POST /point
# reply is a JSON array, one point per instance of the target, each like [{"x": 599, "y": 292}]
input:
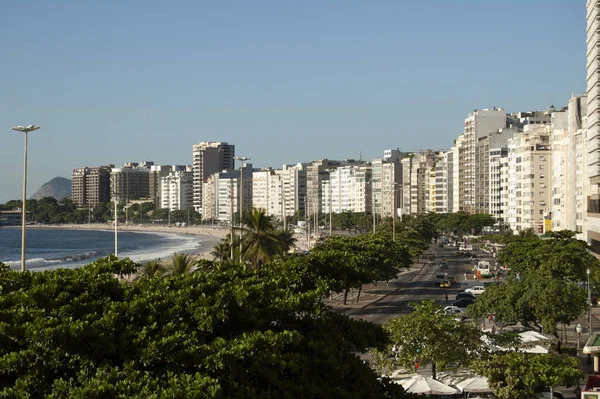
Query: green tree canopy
[
  {"x": 517, "y": 375},
  {"x": 224, "y": 331}
]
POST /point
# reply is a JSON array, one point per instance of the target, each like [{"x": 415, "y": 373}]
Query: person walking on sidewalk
[
  {"x": 465, "y": 276},
  {"x": 446, "y": 299}
]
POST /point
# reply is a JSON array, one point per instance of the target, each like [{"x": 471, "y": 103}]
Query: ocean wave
[
  {"x": 35, "y": 263},
  {"x": 175, "y": 243}
]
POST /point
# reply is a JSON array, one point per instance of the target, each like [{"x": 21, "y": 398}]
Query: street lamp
[
  {"x": 25, "y": 130},
  {"x": 242, "y": 160},
  {"x": 589, "y": 304},
  {"x": 579, "y": 329}
]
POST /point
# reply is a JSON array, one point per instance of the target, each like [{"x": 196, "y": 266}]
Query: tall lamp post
[
  {"x": 589, "y": 304},
  {"x": 579, "y": 329},
  {"x": 25, "y": 130},
  {"x": 242, "y": 160}
]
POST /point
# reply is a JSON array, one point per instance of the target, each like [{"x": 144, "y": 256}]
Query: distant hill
[{"x": 59, "y": 188}]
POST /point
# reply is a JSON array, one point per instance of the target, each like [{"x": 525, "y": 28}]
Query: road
[{"x": 418, "y": 285}]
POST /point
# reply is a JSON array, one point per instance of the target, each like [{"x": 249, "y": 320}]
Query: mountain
[{"x": 59, "y": 188}]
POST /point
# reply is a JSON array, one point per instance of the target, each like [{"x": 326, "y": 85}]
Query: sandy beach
[{"x": 212, "y": 234}]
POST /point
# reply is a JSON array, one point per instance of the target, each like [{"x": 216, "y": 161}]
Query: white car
[
  {"x": 453, "y": 310},
  {"x": 458, "y": 313},
  {"x": 477, "y": 290}
]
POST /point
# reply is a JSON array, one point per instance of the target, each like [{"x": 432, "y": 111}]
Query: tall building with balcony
[
  {"x": 294, "y": 187},
  {"x": 592, "y": 124},
  {"x": 348, "y": 189},
  {"x": 567, "y": 205},
  {"x": 157, "y": 172},
  {"x": 209, "y": 157},
  {"x": 176, "y": 189},
  {"x": 386, "y": 181},
  {"x": 478, "y": 124},
  {"x": 529, "y": 179},
  {"x": 415, "y": 179},
  {"x": 489, "y": 151},
  {"x": 130, "y": 182},
  {"x": 91, "y": 185}
]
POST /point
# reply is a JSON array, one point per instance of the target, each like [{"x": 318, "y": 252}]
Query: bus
[{"x": 483, "y": 268}]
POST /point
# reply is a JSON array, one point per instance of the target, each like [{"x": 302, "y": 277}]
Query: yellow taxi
[{"x": 445, "y": 284}]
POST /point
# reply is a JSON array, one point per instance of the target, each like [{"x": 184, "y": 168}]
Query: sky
[{"x": 286, "y": 81}]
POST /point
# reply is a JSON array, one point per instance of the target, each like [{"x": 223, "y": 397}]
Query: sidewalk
[{"x": 371, "y": 293}]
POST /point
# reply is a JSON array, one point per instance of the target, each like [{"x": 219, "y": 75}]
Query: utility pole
[{"x": 231, "y": 215}]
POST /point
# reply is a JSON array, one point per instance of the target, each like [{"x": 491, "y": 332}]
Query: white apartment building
[
  {"x": 459, "y": 183},
  {"x": 592, "y": 125},
  {"x": 488, "y": 154},
  {"x": 176, "y": 189},
  {"x": 441, "y": 201},
  {"x": 568, "y": 200},
  {"x": 347, "y": 190},
  {"x": 209, "y": 157},
  {"x": 268, "y": 192},
  {"x": 478, "y": 124},
  {"x": 448, "y": 166},
  {"x": 386, "y": 180},
  {"x": 222, "y": 194},
  {"x": 294, "y": 187},
  {"x": 416, "y": 169},
  {"x": 529, "y": 159}
]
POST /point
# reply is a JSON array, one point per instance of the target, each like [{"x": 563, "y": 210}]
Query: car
[
  {"x": 467, "y": 295},
  {"x": 476, "y": 290},
  {"x": 463, "y": 303},
  {"x": 452, "y": 279},
  {"x": 439, "y": 278},
  {"x": 445, "y": 284},
  {"x": 453, "y": 310}
]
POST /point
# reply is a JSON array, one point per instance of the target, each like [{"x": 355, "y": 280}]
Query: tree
[
  {"x": 222, "y": 250},
  {"x": 230, "y": 332},
  {"x": 260, "y": 241},
  {"x": 182, "y": 264},
  {"x": 428, "y": 335},
  {"x": 517, "y": 375},
  {"x": 350, "y": 262},
  {"x": 153, "y": 268}
]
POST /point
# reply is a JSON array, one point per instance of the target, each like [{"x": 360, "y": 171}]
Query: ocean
[{"x": 49, "y": 248}]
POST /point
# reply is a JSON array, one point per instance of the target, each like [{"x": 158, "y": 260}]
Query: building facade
[
  {"x": 177, "y": 189},
  {"x": 91, "y": 185},
  {"x": 209, "y": 157}
]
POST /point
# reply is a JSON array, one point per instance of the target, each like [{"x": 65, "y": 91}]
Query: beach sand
[{"x": 212, "y": 234}]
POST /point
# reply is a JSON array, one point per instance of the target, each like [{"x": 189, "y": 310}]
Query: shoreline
[{"x": 211, "y": 234}]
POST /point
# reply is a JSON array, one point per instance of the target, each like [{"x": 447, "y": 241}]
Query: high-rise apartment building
[
  {"x": 592, "y": 124},
  {"x": 478, "y": 124},
  {"x": 529, "y": 179},
  {"x": 130, "y": 182},
  {"x": 176, "y": 189},
  {"x": 209, "y": 157},
  {"x": 157, "y": 172},
  {"x": 91, "y": 185},
  {"x": 347, "y": 190}
]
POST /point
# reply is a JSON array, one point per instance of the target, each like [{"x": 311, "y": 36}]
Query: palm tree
[
  {"x": 182, "y": 264},
  {"x": 153, "y": 269},
  {"x": 287, "y": 240},
  {"x": 261, "y": 241},
  {"x": 222, "y": 250}
]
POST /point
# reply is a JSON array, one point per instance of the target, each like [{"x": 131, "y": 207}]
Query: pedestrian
[
  {"x": 475, "y": 277},
  {"x": 465, "y": 276},
  {"x": 446, "y": 299}
]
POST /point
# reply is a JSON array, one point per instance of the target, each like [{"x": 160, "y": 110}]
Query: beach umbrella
[
  {"x": 466, "y": 381},
  {"x": 426, "y": 385}
]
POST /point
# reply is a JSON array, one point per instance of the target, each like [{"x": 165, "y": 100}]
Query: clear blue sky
[{"x": 285, "y": 81}]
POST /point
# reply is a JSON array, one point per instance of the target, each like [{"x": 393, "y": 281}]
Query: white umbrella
[
  {"x": 466, "y": 381},
  {"x": 426, "y": 385}
]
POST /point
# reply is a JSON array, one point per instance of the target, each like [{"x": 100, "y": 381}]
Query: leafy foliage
[
  {"x": 224, "y": 331},
  {"x": 517, "y": 375},
  {"x": 429, "y": 336}
]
